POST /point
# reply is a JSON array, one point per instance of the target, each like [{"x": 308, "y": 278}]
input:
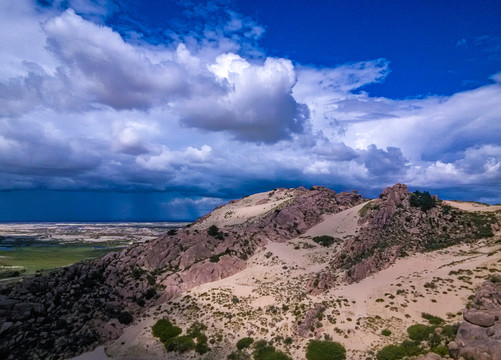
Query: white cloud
[
  {"x": 198, "y": 155},
  {"x": 256, "y": 104}
]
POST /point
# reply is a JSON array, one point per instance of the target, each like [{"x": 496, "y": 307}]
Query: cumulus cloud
[
  {"x": 257, "y": 104},
  {"x": 207, "y": 113}
]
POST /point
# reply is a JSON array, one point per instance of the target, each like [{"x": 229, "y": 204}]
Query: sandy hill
[{"x": 284, "y": 266}]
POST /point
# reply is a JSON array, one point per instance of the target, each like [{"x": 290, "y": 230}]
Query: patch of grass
[
  {"x": 30, "y": 259},
  {"x": 365, "y": 209}
]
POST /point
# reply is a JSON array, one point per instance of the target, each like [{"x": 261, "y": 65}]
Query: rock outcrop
[
  {"x": 479, "y": 335},
  {"x": 311, "y": 318},
  {"x": 392, "y": 226}
]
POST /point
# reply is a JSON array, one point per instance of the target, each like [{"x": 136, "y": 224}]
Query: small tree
[
  {"x": 422, "y": 200},
  {"x": 213, "y": 230}
]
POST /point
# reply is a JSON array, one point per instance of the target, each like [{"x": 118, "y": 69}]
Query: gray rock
[{"x": 480, "y": 318}]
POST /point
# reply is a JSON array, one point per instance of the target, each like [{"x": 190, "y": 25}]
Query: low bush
[
  {"x": 325, "y": 350},
  {"x": 386, "y": 332},
  {"x": 449, "y": 331},
  {"x": 411, "y": 347},
  {"x": 265, "y": 351},
  {"x": 419, "y": 332},
  {"x": 202, "y": 348},
  {"x": 391, "y": 352},
  {"x": 238, "y": 355},
  {"x": 213, "y": 230},
  {"x": 125, "y": 317},
  {"x": 324, "y": 240},
  {"x": 244, "y": 343},
  {"x": 432, "y": 319},
  {"x": 180, "y": 344},
  {"x": 441, "y": 350}
]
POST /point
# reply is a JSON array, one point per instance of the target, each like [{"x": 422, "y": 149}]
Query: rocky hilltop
[{"x": 312, "y": 241}]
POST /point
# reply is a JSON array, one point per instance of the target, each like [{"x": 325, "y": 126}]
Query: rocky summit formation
[
  {"x": 399, "y": 223},
  {"x": 70, "y": 310},
  {"x": 479, "y": 335}
]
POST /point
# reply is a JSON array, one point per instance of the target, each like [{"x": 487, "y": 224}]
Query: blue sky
[{"x": 162, "y": 110}]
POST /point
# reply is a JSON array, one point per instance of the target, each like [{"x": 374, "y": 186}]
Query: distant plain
[{"x": 28, "y": 248}]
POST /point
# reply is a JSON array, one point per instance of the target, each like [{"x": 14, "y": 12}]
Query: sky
[{"x": 144, "y": 110}]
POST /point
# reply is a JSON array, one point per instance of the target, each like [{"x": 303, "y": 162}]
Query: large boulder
[{"x": 479, "y": 335}]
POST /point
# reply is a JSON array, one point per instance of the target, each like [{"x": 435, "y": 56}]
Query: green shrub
[
  {"x": 411, "y": 347},
  {"x": 482, "y": 223},
  {"x": 391, "y": 352},
  {"x": 137, "y": 272},
  {"x": 419, "y": 332},
  {"x": 264, "y": 351},
  {"x": 386, "y": 332},
  {"x": 125, "y": 317},
  {"x": 324, "y": 240},
  {"x": 441, "y": 350},
  {"x": 165, "y": 330},
  {"x": 202, "y": 339},
  {"x": 180, "y": 344},
  {"x": 325, "y": 350},
  {"x": 195, "y": 331},
  {"x": 202, "y": 348},
  {"x": 213, "y": 230},
  {"x": 244, "y": 343},
  {"x": 238, "y": 355},
  {"x": 449, "y": 331},
  {"x": 150, "y": 293},
  {"x": 433, "y": 320},
  {"x": 434, "y": 340}
]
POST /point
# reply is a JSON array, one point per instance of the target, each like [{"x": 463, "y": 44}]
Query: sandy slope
[
  {"x": 472, "y": 206},
  {"x": 247, "y": 208},
  {"x": 338, "y": 225},
  {"x": 269, "y": 297}
]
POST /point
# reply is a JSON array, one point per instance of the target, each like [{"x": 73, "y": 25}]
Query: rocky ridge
[{"x": 72, "y": 309}]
